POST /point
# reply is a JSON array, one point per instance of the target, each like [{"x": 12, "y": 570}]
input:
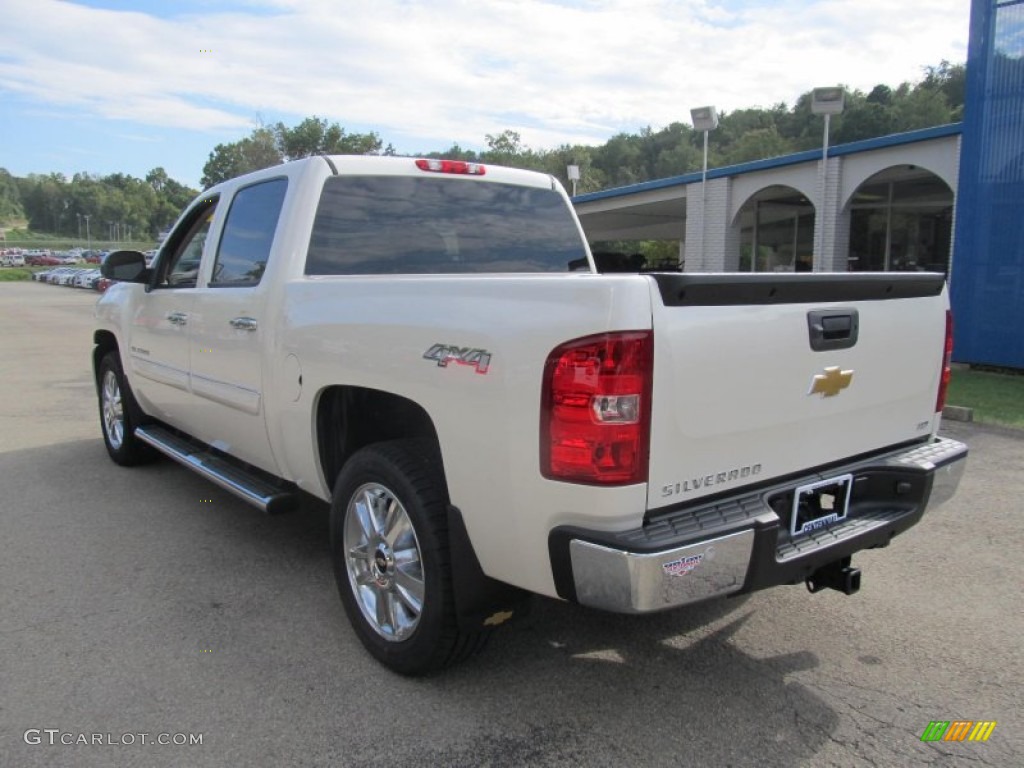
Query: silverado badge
[{"x": 830, "y": 383}]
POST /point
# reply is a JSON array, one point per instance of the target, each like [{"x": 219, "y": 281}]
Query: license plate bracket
[{"x": 820, "y": 504}]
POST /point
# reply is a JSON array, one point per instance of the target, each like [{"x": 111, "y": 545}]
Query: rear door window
[
  {"x": 408, "y": 225},
  {"x": 248, "y": 235}
]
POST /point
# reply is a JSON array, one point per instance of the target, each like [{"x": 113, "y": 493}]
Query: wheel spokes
[
  {"x": 363, "y": 509},
  {"x": 383, "y": 611},
  {"x": 113, "y": 413},
  {"x": 383, "y": 560},
  {"x": 409, "y": 587},
  {"x": 399, "y": 531}
]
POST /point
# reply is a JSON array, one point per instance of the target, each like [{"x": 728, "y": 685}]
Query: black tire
[
  {"x": 378, "y": 577},
  {"x": 119, "y": 415}
]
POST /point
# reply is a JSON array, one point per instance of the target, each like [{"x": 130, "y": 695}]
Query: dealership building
[{"x": 947, "y": 199}]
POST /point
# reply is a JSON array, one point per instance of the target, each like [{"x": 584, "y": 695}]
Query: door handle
[
  {"x": 244, "y": 323},
  {"x": 833, "y": 329},
  {"x": 177, "y": 318}
]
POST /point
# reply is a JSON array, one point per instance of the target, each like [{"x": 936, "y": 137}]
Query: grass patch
[
  {"x": 26, "y": 239},
  {"x": 997, "y": 398},
  {"x": 12, "y": 274}
]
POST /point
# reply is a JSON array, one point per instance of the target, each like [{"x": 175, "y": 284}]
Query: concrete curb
[{"x": 958, "y": 413}]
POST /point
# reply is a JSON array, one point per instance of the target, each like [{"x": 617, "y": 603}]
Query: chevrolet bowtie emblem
[{"x": 830, "y": 383}]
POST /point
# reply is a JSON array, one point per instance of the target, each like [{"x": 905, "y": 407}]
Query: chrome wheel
[
  {"x": 113, "y": 412},
  {"x": 383, "y": 560}
]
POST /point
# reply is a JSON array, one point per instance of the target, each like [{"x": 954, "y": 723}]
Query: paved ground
[{"x": 148, "y": 601}]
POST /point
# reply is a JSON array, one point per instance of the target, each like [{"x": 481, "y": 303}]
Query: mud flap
[{"x": 481, "y": 602}]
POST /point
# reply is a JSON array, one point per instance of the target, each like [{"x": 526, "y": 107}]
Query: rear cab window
[{"x": 368, "y": 225}]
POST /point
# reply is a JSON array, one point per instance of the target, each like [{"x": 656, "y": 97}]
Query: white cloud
[{"x": 424, "y": 74}]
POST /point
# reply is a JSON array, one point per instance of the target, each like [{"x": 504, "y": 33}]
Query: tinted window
[
  {"x": 248, "y": 234},
  {"x": 402, "y": 225}
]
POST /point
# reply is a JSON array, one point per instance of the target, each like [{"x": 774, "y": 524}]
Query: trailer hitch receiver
[{"x": 838, "y": 575}]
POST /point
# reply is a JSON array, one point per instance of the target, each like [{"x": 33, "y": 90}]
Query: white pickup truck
[{"x": 429, "y": 346}]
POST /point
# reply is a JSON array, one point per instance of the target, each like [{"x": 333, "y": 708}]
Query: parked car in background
[
  {"x": 103, "y": 284},
  {"x": 86, "y": 277},
  {"x": 68, "y": 278},
  {"x": 59, "y": 275},
  {"x": 12, "y": 260}
]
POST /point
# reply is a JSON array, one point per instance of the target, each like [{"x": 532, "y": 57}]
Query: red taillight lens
[
  {"x": 947, "y": 371},
  {"x": 596, "y": 409},
  {"x": 451, "y": 166}
]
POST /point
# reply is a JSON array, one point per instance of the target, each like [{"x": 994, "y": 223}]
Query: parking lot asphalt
[{"x": 148, "y": 601}]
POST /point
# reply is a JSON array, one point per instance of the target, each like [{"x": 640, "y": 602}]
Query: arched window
[
  {"x": 901, "y": 219},
  {"x": 777, "y": 231}
]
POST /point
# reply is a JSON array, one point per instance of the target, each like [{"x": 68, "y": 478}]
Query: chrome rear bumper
[{"x": 743, "y": 543}]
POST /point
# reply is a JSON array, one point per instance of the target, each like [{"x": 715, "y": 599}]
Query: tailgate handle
[{"x": 831, "y": 329}]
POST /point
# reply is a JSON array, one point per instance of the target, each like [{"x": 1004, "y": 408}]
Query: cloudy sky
[{"x": 109, "y": 86}]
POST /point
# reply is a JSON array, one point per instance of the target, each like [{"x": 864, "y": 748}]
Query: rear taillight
[
  {"x": 947, "y": 357},
  {"x": 596, "y": 409},
  {"x": 451, "y": 166}
]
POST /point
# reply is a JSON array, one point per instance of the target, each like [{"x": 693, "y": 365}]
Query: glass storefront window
[
  {"x": 902, "y": 222},
  {"x": 777, "y": 232}
]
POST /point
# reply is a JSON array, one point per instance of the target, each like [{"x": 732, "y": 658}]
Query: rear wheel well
[{"x": 350, "y": 418}]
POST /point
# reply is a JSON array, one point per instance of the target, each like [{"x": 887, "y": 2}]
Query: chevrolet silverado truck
[{"x": 428, "y": 346}]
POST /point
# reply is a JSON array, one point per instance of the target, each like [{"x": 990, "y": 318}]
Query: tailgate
[{"x": 748, "y": 387}]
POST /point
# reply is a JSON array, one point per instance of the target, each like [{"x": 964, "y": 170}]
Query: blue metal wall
[{"x": 987, "y": 282}]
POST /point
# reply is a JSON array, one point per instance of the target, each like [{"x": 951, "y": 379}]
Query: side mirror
[{"x": 126, "y": 266}]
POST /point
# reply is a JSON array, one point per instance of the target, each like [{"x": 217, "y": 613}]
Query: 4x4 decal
[{"x": 480, "y": 359}]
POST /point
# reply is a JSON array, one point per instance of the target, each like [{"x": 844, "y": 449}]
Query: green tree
[
  {"x": 920, "y": 108},
  {"x": 10, "y": 199},
  {"x": 950, "y": 80},
  {"x": 256, "y": 151},
  {"x": 620, "y": 159},
  {"x": 269, "y": 146},
  {"x": 454, "y": 152},
  {"x": 557, "y": 161},
  {"x": 118, "y": 205},
  {"x": 864, "y": 121},
  {"x": 757, "y": 144},
  {"x": 315, "y": 136}
]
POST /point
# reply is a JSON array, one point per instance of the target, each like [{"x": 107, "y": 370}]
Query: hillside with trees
[
  {"x": 120, "y": 205},
  {"x": 115, "y": 207}
]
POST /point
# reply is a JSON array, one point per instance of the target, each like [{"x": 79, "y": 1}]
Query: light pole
[
  {"x": 824, "y": 101},
  {"x": 87, "y": 235},
  {"x": 704, "y": 119},
  {"x": 573, "y": 172},
  {"x": 79, "y": 217}
]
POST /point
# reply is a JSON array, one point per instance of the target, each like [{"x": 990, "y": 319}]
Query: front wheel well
[
  {"x": 105, "y": 342},
  {"x": 349, "y": 418}
]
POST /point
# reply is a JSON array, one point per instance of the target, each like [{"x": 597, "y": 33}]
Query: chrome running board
[{"x": 243, "y": 483}]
